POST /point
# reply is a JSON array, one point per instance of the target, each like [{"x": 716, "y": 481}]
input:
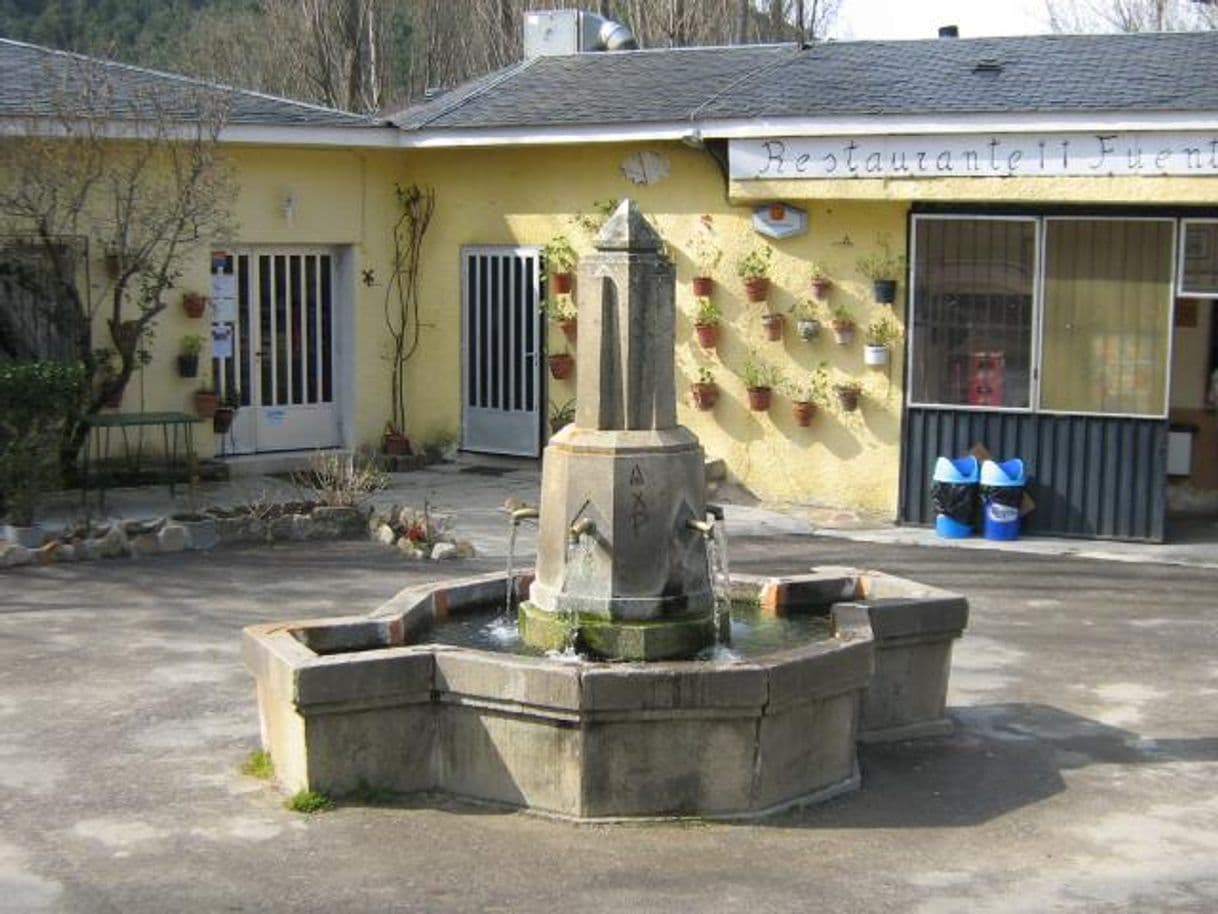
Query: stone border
[{"x": 359, "y": 699}]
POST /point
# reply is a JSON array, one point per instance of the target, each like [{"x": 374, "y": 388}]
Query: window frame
[
  {"x": 1181, "y": 245},
  {"x": 1042, "y": 221}
]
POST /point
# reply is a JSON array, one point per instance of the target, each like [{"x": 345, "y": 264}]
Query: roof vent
[
  {"x": 551, "y": 33},
  {"x": 949, "y": 31},
  {"x": 988, "y": 65}
]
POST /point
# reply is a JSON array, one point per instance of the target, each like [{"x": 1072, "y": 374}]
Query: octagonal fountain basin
[{"x": 404, "y": 700}]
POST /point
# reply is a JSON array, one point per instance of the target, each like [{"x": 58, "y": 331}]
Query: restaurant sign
[{"x": 999, "y": 155}]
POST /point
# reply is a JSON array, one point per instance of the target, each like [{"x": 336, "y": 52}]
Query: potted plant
[
  {"x": 707, "y": 316},
  {"x": 194, "y": 304},
  {"x": 706, "y": 255},
  {"x": 222, "y": 420},
  {"x": 842, "y": 322},
  {"x": 760, "y": 378},
  {"x": 848, "y": 393},
  {"x": 705, "y": 391},
  {"x": 754, "y": 269},
  {"x": 562, "y": 311},
  {"x": 394, "y": 442},
  {"x": 773, "y": 322},
  {"x": 188, "y": 355},
  {"x": 881, "y": 333},
  {"x": 561, "y": 415},
  {"x": 206, "y": 402},
  {"x": 561, "y": 365},
  {"x": 560, "y": 261},
  {"x": 821, "y": 283},
  {"x": 807, "y": 324},
  {"x": 808, "y": 394},
  {"x": 882, "y": 267}
]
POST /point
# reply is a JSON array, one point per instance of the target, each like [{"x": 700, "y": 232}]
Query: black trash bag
[
  {"x": 957, "y": 500},
  {"x": 1007, "y": 496}
]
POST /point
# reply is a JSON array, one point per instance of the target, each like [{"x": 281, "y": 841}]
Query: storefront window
[
  {"x": 1199, "y": 274},
  {"x": 973, "y": 312},
  {"x": 1106, "y": 301}
]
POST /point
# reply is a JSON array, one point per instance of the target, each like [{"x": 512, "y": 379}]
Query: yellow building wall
[{"x": 526, "y": 196}]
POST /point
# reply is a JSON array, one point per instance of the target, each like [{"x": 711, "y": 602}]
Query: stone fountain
[{"x": 619, "y": 719}]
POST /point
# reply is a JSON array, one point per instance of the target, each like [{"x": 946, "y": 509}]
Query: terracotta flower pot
[
  {"x": 561, "y": 365},
  {"x": 773, "y": 326},
  {"x": 206, "y": 402},
  {"x": 570, "y": 328},
  {"x": 759, "y": 398},
  {"x": 821, "y": 288},
  {"x": 703, "y": 286},
  {"x": 778, "y": 211},
  {"x": 113, "y": 400},
  {"x": 803, "y": 411},
  {"x": 843, "y": 334},
  {"x": 884, "y": 290},
  {"x": 561, "y": 283},
  {"x": 705, "y": 396},
  {"x": 395, "y": 444},
  {"x": 194, "y": 304},
  {"x": 757, "y": 288},
  {"x": 848, "y": 397},
  {"x": 708, "y": 335}
]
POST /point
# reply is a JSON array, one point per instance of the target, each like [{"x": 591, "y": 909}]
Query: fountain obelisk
[{"x": 621, "y": 557}]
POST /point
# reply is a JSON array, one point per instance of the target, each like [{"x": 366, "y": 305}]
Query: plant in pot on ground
[
  {"x": 561, "y": 415},
  {"x": 848, "y": 393},
  {"x": 881, "y": 334},
  {"x": 189, "y": 348},
  {"x": 706, "y": 255},
  {"x": 705, "y": 391},
  {"x": 760, "y": 379},
  {"x": 222, "y": 419},
  {"x": 707, "y": 317},
  {"x": 754, "y": 269},
  {"x": 560, "y": 260},
  {"x": 807, "y": 319},
  {"x": 809, "y": 392},
  {"x": 562, "y": 311},
  {"x": 842, "y": 322},
  {"x": 821, "y": 283},
  {"x": 883, "y": 268},
  {"x": 561, "y": 363}
]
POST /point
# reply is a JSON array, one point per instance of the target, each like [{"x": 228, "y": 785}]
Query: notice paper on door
[
  {"x": 224, "y": 296},
  {"x": 221, "y": 341}
]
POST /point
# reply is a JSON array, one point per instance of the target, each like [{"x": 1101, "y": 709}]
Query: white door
[
  {"x": 283, "y": 362},
  {"x": 501, "y": 382}
]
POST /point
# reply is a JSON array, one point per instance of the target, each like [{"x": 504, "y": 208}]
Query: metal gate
[
  {"x": 282, "y": 365},
  {"x": 501, "y": 382}
]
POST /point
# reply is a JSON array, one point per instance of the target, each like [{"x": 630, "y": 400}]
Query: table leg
[{"x": 170, "y": 458}]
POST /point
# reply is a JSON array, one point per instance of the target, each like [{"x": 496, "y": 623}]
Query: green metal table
[{"x": 101, "y": 425}]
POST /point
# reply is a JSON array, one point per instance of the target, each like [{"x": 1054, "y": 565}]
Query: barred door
[{"x": 501, "y": 382}]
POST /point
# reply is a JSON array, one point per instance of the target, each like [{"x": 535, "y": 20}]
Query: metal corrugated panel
[{"x": 1091, "y": 476}]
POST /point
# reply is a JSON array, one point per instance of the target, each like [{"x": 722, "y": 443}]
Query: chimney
[
  {"x": 552, "y": 33},
  {"x": 949, "y": 31}
]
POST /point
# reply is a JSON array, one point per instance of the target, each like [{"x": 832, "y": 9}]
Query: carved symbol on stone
[
  {"x": 636, "y": 476},
  {"x": 638, "y": 511}
]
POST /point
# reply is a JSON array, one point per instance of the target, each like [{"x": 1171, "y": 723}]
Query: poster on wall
[
  {"x": 223, "y": 287},
  {"x": 221, "y": 341}
]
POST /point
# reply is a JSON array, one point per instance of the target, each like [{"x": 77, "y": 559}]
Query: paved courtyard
[{"x": 1083, "y": 774}]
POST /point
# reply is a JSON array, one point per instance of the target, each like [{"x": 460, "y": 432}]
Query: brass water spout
[
  {"x": 715, "y": 511},
  {"x": 523, "y": 514},
  {"x": 705, "y": 527},
  {"x": 579, "y": 528}
]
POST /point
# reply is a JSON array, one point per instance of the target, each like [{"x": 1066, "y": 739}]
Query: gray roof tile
[
  {"x": 31, "y": 77},
  {"x": 1061, "y": 73}
]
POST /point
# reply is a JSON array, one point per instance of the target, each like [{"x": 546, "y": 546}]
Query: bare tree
[
  {"x": 146, "y": 188},
  {"x": 1078, "y": 16}
]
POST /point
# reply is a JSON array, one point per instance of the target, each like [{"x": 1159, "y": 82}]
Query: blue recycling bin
[
  {"x": 954, "y": 492},
  {"x": 1002, "y": 485}
]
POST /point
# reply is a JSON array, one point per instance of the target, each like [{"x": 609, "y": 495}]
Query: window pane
[
  {"x": 1107, "y": 294},
  {"x": 1200, "y": 258},
  {"x": 972, "y": 312}
]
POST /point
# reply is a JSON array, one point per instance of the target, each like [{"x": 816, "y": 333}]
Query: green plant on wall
[
  {"x": 758, "y": 373},
  {"x": 883, "y": 331},
  {"x": 559, "y": 255},
  {"x": 704, "y": 250},
  {"x": 756, "y": 263},
  {"x": 594, "y": 221},
  {"x": 707, "y": 312},
  {"x": 559, "y": 308},
  {"x": 812, "y": 387},
  {"x": 882, "y": 263}
]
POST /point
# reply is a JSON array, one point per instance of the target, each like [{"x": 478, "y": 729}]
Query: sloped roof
[
  {"x": 32, "y": 78},
  {"x": 1146, "y": 72}
]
